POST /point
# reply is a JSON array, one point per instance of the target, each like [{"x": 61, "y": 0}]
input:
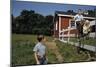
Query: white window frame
[
  {"x": 71, "y": 24},
  {"x": 56, "y": 25}
]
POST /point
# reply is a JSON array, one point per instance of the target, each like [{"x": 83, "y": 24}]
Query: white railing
[{"x": 62, "y": 35}]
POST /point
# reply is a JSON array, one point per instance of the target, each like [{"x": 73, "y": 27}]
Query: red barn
[{"x": 63, "y": 20}]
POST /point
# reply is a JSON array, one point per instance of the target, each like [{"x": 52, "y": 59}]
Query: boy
[
  {"x": 78, "y": 19},
  {"x": 40, "y": 51},
  {"x": 79, "y": 22}
]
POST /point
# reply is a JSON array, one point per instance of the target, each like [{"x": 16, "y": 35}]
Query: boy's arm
[
  {"x": 46, "y": 55},
  {"x": 74, "y": 18},
  {"x": 36, "y": 58}
]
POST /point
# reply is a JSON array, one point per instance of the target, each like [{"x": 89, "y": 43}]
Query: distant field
[{"x": 22, "y": 54}]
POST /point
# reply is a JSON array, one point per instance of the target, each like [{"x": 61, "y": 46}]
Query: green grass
[
  {"x": 51, "y": 57},
  {"x": 23, "y": 38},
  {"x": 22, "y": 57},
  {"x": 22, "y": 51},
  {"x": 69, "y": 53},
  {"x": 90, "y": 41}
]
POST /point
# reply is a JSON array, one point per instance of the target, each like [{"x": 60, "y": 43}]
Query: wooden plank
[
  {"x": 87, "y": 47},
  {"x": 64, "y": 30}
]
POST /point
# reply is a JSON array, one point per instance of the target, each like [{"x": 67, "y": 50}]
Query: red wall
[
  {"x": 64, "y": 22},
  {"x": 64, "y": 25}
]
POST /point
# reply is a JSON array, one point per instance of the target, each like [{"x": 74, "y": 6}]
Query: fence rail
[{"x": 85, "y": 46}]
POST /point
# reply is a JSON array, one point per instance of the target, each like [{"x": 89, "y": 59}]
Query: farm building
[{"x": 63, "y": 20}]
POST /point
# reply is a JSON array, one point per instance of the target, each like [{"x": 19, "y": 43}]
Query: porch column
[{"x": 59, "y": 26}]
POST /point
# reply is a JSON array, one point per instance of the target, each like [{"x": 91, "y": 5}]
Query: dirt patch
[{"x": 52, "y": 46}]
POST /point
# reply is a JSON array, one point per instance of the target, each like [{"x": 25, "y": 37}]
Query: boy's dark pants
[
  {"x": 80, "y": 34},
  {"x": 42, "y": 60},
  {"x": 79, "y": 28}
]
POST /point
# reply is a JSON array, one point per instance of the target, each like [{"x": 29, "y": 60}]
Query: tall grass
[
  {"x": 69, "y": 53},
  {"x": 22, "y": 50}
]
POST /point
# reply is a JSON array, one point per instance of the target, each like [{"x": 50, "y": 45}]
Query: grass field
[
  {"x": 22, "y": 51},
  {"x": 89, "y": 41},
  {"x": 70, "y": 54}
]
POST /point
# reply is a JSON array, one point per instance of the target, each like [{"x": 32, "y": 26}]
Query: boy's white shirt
[
  {"x": 78, "y": 17},
  {"x": 40, "y": 49}
]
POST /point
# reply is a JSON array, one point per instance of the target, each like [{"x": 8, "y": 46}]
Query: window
[{"x": 73, "y": 24}]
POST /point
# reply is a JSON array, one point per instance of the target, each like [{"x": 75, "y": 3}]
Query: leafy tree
[{"x": 29, "y": 22}]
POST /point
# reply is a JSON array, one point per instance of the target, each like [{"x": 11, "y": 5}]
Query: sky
[{"x": 45, "y": 8}]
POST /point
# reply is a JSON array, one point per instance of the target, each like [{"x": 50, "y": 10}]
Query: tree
[
  {"x": 70, "y": 12},
  {"x": 92, "y": 13},
  {"x": 29, "y": 22}
]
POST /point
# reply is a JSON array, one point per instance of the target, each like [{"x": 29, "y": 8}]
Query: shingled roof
[{"x": 71, "y": 13}]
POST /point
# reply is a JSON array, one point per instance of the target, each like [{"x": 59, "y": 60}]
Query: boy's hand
[
  {"x": 46, "y": 59},
  {"x": 38, "y": 62}
]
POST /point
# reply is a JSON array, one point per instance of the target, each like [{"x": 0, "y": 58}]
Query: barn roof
[
  {"x": 71, "y": 14},
  {"x": 66, "y": 13}
]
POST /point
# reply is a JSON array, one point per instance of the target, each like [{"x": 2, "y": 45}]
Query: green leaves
[{"x": 29, "y": 22}]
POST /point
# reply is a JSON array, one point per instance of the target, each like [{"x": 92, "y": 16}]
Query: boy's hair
[
  {"x": 40, "y": 37},
  {"x": 79, "y": 11}
]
